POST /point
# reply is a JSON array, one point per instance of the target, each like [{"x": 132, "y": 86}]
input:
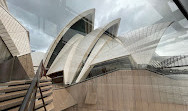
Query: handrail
[
  {"x": 29, "y": 102},
  {"x": 28, "y": 94},
  {"x": 42, "y": 99},
  {"x": 166, "y": 70},
  {"x": 170, "y": 62}
]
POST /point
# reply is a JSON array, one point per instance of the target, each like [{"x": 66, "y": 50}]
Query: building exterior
[
  {"x": 14, "y": 40},
  {"x": 36, "y": 59},
  {"x": 82, "y": 52},
  {"x": 94, "y": 69}
]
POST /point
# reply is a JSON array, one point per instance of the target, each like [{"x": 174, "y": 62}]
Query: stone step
[
  {"x": 45, "y": 84},
  {"x": 47, "y": 100},
  {"x": 12, "y": 93},
  {"x": 22, "y": 82},
  {"x": 11, "y": 103},
  {"x": 21, "y": 87},
  {"x": 44, "y": 79},
  {"x": 45, "y": 88},
  {"x": 8, "y": 96},
  {"x": 14, "y": 88},
  {"x": 14, "y": 109},
  {"x": 14, "y": 83},
  {"x": 16, "y": 94},
  {"x": 49, "y": 107},
  {"x": 44, "y": 93}
]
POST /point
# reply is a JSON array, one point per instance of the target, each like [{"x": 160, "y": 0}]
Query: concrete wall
[
  {"x": 4, "y": 52},
  {"x": 14, "y": 41},
  {"x": 126, "y": 90},
  {"x": 14, "y": 35},
  {"x": 27, "y": 64}
]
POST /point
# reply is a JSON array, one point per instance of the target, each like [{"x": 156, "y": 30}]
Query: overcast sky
[{"x": 44, "y": 19}]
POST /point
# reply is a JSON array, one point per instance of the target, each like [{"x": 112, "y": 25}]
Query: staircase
[{"x": 12, "y": 94}]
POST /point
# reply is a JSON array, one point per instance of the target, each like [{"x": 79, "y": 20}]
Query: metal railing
[
  {"x": 167, "y": 71},
  {"x": 28, "y": 104}
]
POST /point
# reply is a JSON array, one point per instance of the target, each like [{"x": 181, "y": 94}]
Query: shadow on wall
[{"x": 12, "y": 70}]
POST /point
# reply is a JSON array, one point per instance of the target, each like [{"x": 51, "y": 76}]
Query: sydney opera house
[{"x": 94, "y": 68}]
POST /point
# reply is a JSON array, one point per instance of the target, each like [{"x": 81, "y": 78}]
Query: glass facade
[
  {"x": 141, "y": 29},
  {"x": 125, "y": 55}
]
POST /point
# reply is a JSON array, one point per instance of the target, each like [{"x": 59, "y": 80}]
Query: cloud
[
  {"x": 43, "y": 23},
  {"x": 174, "y": 46},
  {"x": 39, "y": 40},
  {"x": 45, "y": 20}
]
